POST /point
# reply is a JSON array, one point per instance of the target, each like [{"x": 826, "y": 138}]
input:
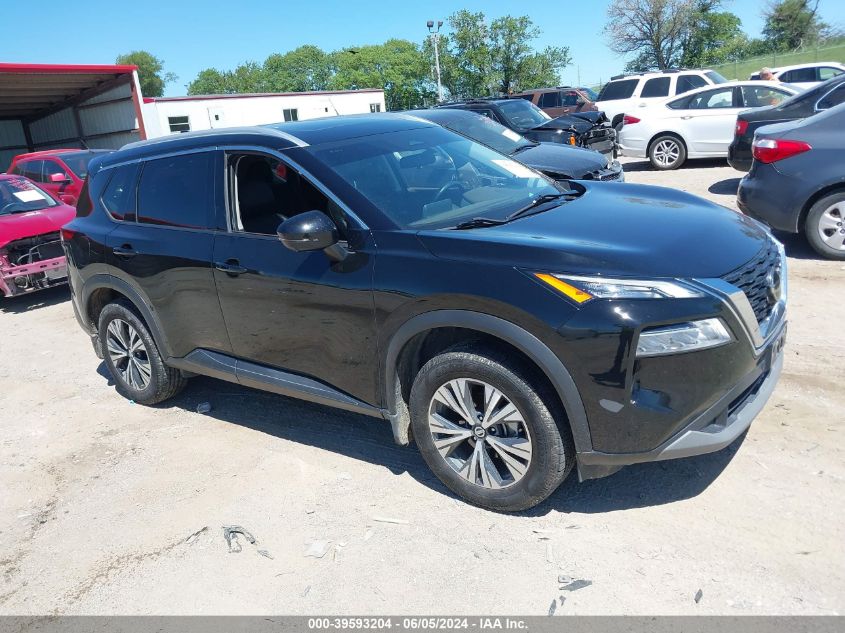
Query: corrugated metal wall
[{"x": 12, "y": 139}]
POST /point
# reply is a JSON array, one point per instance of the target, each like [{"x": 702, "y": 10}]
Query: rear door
[
  {"x": 709, "y": 120},
  {"x": 163, "y": 245}
]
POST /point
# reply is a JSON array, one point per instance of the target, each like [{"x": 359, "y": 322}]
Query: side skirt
[{"x": 217, "y": 365}]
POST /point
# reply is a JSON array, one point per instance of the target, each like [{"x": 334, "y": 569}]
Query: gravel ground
[{"x": 109, "y": 507}]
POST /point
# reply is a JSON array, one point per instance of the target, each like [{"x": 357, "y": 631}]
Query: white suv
[
  {"x": 624, "y": 93},
  {"x": 805, "y": 75}
]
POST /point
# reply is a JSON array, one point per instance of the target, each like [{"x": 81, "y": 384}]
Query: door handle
[
  {"x": 126, "y": 251},
  {"x": 687, "y": 117},
  {"x": 231, "y": 267}
]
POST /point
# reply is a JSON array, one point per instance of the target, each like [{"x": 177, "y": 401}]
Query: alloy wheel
[
  {"x": 666, "y": 152},
  {"x": 480, "y": 433},
  {"x": 832, "y": 226},
  {"x": 128, "y": 354}
]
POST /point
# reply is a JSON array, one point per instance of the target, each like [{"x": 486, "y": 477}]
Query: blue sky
[{"x": 194, "y": 34}]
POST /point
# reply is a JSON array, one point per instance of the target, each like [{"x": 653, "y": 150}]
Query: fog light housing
[{"x": 684, "y": 337}]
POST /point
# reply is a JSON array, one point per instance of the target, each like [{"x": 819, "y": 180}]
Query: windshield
[
  {"x": 78, "y": 162},
  {"x": 524, "y": 114},
  {"x": 430, "y": 178},
  {"x": 18, "y": 195},
  {"x": 480, "y": 128},
  {"x": 591, "y": 94},
  {"x": 715, "y": 77}
]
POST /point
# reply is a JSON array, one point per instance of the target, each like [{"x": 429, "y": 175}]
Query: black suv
[
  {"x": 509, "y": 324},
  {"x": 585, "y": 129}
]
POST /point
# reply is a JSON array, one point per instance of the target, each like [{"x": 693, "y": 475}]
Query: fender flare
[
  {"x": 99, "y": 281},
  {"x": 513, "y": 334}
]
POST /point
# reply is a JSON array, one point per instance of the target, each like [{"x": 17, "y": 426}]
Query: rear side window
[
  {"x": 657, "y": 87},
  {"x": 550, "y": 100},
  {"x": 31, "y": 169},
  {"x": 689, "y": 82},
  {"x": 119, "y": 195},
  {"x": 798, "y": 75},
  {"x": 177, "y": 191},
  {"x": 622, "y": 89}
]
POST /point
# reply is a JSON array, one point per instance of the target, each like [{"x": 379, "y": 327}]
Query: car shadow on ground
[
  {"x": 727, "y": 187},
  {"x": 370, "y": 440},
  {"x": 645, "y": 165},
  {"x": 34, "y": 300},
  {"x": 797, "y": 246}
]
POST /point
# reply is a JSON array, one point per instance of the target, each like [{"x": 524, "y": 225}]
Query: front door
[
  {"x": 298, "y": 312},
  {"x": 709, "y": 121}
]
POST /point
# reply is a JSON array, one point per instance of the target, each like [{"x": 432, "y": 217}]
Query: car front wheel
[
  {"x": 133, "y": 359},
  {"x": 486, "y": 432},
  {"x": 825, "y": 226},
  {"x": 667, "y": 152}
]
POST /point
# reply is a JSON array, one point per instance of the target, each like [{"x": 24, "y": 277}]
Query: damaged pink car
[{"x": 31, "y": 254}]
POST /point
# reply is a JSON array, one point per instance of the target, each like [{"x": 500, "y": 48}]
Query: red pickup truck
[{"x": 31, "y": 254}]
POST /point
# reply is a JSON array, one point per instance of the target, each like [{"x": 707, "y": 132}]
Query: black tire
[
  {"x": 825, "y": 214},
  {"x": 164, "y": 382},
  {"x": 667, "y": 140},
  {"x": 553, "y": 453}
]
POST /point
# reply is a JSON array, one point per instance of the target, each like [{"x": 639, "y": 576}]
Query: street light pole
[{"x": 435, "y": 36}]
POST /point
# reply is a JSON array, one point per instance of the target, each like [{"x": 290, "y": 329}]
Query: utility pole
[{"x": 435, "y": 36}]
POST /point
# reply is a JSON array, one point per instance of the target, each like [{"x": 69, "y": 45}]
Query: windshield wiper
[
  {"x": 523, "y": 147},
  {"x": 477, "y": 223},
  {"x": 536, "y": 202}
]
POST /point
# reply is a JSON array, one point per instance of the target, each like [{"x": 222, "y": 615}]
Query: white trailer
[{"x": 171, "y": 115}]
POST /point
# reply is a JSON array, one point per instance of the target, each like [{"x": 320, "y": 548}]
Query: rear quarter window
[
  {"x": 120, "y": 194},
  {"x": 622, "y": 89}
]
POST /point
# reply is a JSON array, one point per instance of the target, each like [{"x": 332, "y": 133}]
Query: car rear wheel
[
  {"x": 133, "y": 359},
  {"x": 667, "y": 152},
  {"x": 486, "y": 432},
  {"x": 825, "y": 226}
]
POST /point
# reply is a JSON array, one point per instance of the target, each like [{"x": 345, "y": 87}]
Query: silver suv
[{"x": 624, "y": 93}]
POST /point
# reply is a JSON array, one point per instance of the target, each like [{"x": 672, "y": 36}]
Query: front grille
[
  {"x": 760, "y": 280},
  {"x": 608, "y": 174}
]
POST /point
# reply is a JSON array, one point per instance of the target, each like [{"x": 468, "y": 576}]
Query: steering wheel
[
  {"x": 9, "y": 205},
  {"x": 453, "y": 190}
]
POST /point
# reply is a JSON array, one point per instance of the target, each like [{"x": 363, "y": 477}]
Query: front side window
[
  {"x": 479, "y": 182},
  {"x": 31, "y": 169},
  {"x": 523, "y": 114},
  {"x": 18, "y": 196},
  {"x": 622, "y": 89},
  {"x": 569, "y": 99},
  {"x": 657, "y": 87},
  {"x": 758, "y": 96},
  {"x": 179, "y": 124},
  {"x": 550, "y": 100},
  {"x": 689, "y": 82},
  {"x": 292, "y": 114},
  {"x": 119, "y": 195},
  {"x": 177, "y": 191},
  {"x": 52, "y": 167},
  {"x": 832, "y": 98},
  {"x": 828, "y": 72},
  {"x": 77, "y": 162},
  {"x": 712, "y": 99}
]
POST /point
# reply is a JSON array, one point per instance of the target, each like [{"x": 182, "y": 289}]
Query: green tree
[
  {"x": 210, "y": 82},
  {"x": 655, "y": 31},
  {"x": 302, "y": 69},
  {"x": 792, "y": 24},
  {"x": 151, "y": 73},
  {"x": 713, "y": 37},
  {"x": 516, "y": 64}
]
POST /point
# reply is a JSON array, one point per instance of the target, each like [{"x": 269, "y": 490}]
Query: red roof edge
[{"x": 6, "y": 67}]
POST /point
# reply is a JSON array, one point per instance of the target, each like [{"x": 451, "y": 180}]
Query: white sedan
[
  {"x": 806, "y": 75},
  {"x": 699, "y": 124}
]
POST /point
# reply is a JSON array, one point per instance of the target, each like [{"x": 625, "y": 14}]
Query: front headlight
[
  {"x": 583, "y": 289},
  {"x": 686, "y": 337}
]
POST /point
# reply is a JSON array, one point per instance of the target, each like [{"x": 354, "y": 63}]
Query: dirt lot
[{"x": 100, "y": 497}]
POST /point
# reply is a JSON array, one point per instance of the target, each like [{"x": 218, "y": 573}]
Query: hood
[
  {"x": 615, "y": 229},
  {"x": 17, "y": 226},
  {"x": 566, "y": 122},
  {"x": 593, "y": 116},
  {"x": 559, "y": 158}
]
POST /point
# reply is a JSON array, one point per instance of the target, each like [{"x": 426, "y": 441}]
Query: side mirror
[
  {"x": 312, "y": 231},
  {"x": 60, "y": 177}
]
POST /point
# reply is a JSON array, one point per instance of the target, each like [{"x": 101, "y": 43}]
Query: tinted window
[
  {"x": 832, "y": 98},
  {"x": 569, "y": 99},
  {"x": 712, "y": 99},
  {"x": 479, "y": 128},
  {"x": 31, "y": 169},
  {"x": 657, "y": 87},
  {"x": 119, "y": 195},
  {"x": 758, "y": 96},
  {"x": 618, "y": 90},
  {"x": 826, "y": 72},
  {"x": 689, "y": 82},
  {"x": 177, "y": 191},
  {"x": 798, "y": 75},
  {"x": 52, "y": 167},
  {"x": 521, "y": 113},
  {"x": 550, "y": 100},
  {"x": 78, "y": 162}
]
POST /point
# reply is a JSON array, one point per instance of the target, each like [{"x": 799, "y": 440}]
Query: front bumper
[
  {"x": 17, "y": 280},
  {"x": 716, "y": 428}
]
